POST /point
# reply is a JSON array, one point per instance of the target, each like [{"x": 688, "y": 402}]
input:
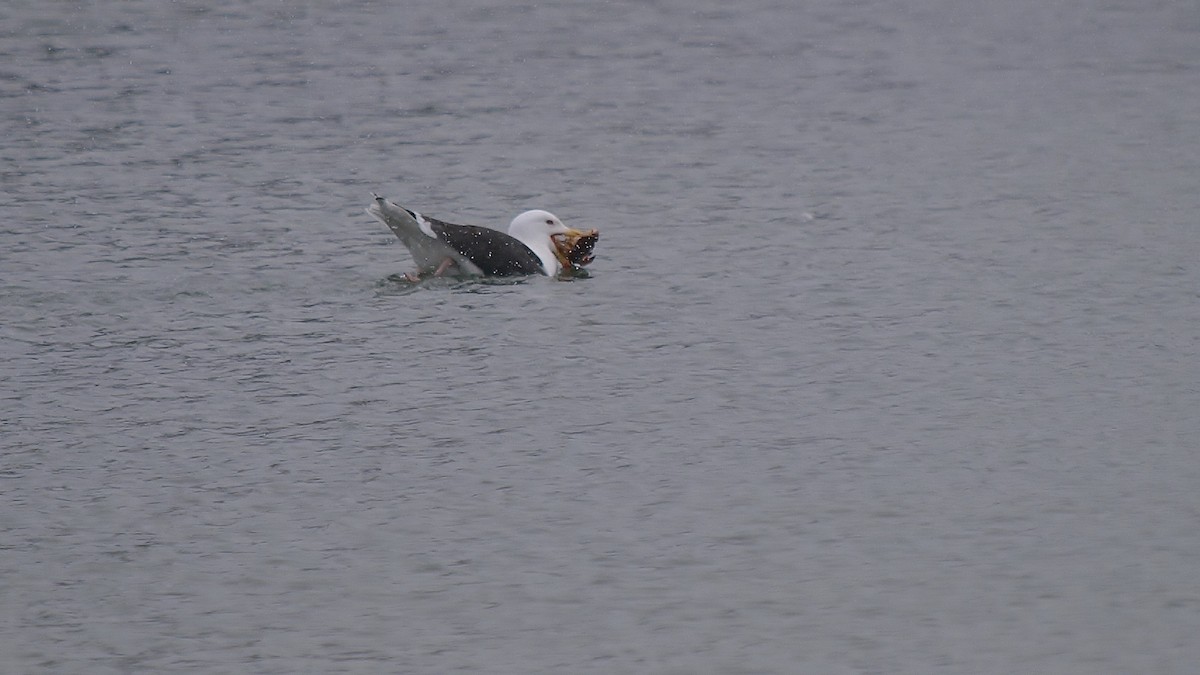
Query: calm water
[{"x": 889, "y": 362}]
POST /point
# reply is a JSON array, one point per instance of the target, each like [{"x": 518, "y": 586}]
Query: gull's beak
[{"x": 573, "y": 248}]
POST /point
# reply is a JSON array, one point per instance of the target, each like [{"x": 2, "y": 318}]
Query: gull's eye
[{"x": 549, "y": 222}]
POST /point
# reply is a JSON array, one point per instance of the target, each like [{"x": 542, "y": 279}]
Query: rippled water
[{"x": 888, "y": 363}]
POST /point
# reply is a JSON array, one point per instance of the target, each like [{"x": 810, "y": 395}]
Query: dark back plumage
[{"x": 494, "y": 252}]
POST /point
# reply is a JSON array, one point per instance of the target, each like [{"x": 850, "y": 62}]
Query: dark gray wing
[{"x": 494, "y": 252}]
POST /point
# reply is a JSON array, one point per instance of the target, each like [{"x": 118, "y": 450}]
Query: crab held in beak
[{"x": 573, "y": 248}]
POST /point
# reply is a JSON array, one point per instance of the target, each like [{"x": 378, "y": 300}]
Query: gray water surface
[{"x": 889, "y": 361}]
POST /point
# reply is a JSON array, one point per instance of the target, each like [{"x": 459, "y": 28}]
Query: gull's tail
[{"x": 404, "y": 223}]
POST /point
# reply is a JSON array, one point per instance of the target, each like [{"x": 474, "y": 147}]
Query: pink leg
[
  {"x": 414, "y": 277},
  {"x": 445, "y": 265}
]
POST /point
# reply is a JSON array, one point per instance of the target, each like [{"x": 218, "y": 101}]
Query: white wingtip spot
[{"x": 424, "y": 225}]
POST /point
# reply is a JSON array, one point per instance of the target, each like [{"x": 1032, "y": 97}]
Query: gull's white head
[{"x": 535, "y": 229}]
